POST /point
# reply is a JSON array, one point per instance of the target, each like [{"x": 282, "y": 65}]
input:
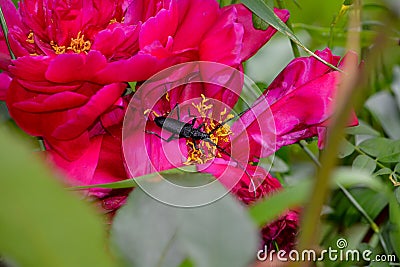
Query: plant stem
[
  {"x": 360, "y": 209},
  {"x": 295, "y": 49},
  {"x": 5, "y": 32},
  {"x": 346, "y": 97},
  {"x": 303, "y": 145}
]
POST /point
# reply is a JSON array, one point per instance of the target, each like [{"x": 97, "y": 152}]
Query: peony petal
[
  {"x": 159, "y": 27},
  {"x": 87, "y": 114},
  {"x": 196, "y": 17},
  {"x": 5, "y": 81},
  {"x": 30, "y": 68},
  {"x": 254, "y": 39},
  {"x": 52, "y": 103},
  {"x": 223, "y": 43},
  {"x": 67, "y": 68},
  {"x": 80, "y": 170},
  {"x": 48, "y": 87}
]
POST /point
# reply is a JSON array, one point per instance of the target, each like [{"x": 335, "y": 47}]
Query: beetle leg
[{"x": 172, "y": 137}]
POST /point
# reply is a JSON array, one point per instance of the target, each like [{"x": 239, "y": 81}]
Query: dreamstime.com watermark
[{"x": 330, "y": 254}]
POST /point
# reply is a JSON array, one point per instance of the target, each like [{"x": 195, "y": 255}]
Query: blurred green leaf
[
  {"x": 379, "y": 147},
  {"x": 150, "y": 233},
  {"x": 397, "y": 194},
  {"x": 362, "y": 129},
  {"x": 397, "y": 168},
  {"x": 396, "y": 84},
  {"x": 346, "y": 149},
  {"x": 384, "y": 108},
  {"x": 383, "y": 171},
  {"x": 276, "y": 164},
  {"x": 40, "y": 223},
  {"x": 273, "y": 206},
  {"x": 394, "y": 217},
  {"x": 364, "y": 163},
  {"x": 264, "y": 12},
  {"x": 176, "y": 175}
]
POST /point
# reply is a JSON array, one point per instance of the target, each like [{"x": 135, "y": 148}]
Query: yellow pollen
[
  {"x": 204, "y": 151},
  {"x": 114, "y": 20},
  {"x": 77, "y": 45},
  {"x": 30, "y": 39},
  {"x": 57, "y": 49}
]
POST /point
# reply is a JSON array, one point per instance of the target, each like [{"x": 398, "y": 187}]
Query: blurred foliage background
[{"x": 361, "y": 213}]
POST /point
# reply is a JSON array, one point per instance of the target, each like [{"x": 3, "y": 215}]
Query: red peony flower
[
  {"x": 295, "y": 106},
  {"x": 75, "y": 57}
]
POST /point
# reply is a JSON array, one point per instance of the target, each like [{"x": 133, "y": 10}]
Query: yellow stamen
[
  {"x": 79, "y": 44},
  {"x": 205, "y": 151},
  {"x": 30, "y": 39},
  {"x": 57, "y": 49}
]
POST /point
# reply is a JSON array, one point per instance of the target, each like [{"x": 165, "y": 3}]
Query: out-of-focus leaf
[
  {"x": 384, "y": 171},
  {"x": 346, "y": 149},
  {"x": 176, "y": 174},
  {"x": 394, "y": 6},
  {"x": 362, "y": 129},
  {"x": 40, "y": 223},
  {"x": 397, "y": 168},
  {"x": 150, "y": 233},
  {"x": 258, "y": 23},
  {"x": 396, "y": 83},
  {"x": 364, "y": 163},
  {"x": 186, "y": 263},
  {"x": 264, "y": 12},
  {"x": 278, "y": 165},
  {"x": 384, "y": 108},
  {"x": 378, "y": 147},
  {"x": 270, "y": 208},
  {"x": 394, "y": 217},
  {"x": 397, "y": 194}
]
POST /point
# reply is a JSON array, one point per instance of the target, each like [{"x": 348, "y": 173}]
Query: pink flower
[
  {"x": 297, "y": 105},
  {"x": 75, "y": 57}
]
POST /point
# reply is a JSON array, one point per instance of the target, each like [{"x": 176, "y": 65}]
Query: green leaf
[
  {"x": 394, "y": 218},
  {"x": 397, "y": 194},
  {"x": 273, "y": 206},
  {"x": 384, "y": 108},
  {"x": 396, "y": 84},
  {"x": 258, "y": 23},
  {"x": 176, "y": 174},
  {"x": 42, "y": 224},
  {"x": 397, "y": 168},
  {"x": 383, "y": 171},
  {"x": 362, "y": 129},
  {"x": 346, "y": 149},
  {"x": 364, "y": 163},
  {"x": 264, "y": 12},
  {"x": 377, "y": 147},
  {"x": 276, "y": 164},
  {"x": 150, "y": 233}
]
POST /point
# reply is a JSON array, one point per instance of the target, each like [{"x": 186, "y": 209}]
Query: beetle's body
[{"x": 182, "y": 129}]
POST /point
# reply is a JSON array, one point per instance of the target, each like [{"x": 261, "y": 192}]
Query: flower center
[
  {"x": 77, "y": 45},
  {"x": 202, "y": 151}
]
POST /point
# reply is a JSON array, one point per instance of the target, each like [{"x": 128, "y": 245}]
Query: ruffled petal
[{"x": 254, "y": 39}]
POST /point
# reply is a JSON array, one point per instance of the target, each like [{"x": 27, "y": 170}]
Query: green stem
[
  {"x": 303, "y": 145},
  {"x": 5, "y": 32},
  {"x": 371, "y": 222},
  {"x": 295, "y": 49},
  {"x": 349, "y": 85}
]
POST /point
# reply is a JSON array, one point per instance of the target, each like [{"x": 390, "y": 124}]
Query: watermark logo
[{"x": 330, "y": 254}]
